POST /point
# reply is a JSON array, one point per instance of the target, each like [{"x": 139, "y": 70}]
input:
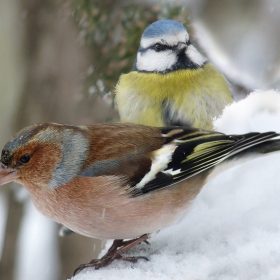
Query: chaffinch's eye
[
  {"x": 25, "y": 158},
  {"x": 158, "y": 47}
]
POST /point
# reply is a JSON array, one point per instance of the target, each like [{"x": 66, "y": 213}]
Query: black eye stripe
[
  {"x": 159, "y": 47},
  {"x": 163, "y": 47},
  {"x": 143, "y": 50}
]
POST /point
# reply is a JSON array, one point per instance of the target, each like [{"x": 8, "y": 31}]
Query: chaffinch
[{"x": 120, "y": 181}]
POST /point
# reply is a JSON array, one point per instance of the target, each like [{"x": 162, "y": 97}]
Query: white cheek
[
  {"x": 195, "y": 56},
  {"x": 155, "y": 61}
]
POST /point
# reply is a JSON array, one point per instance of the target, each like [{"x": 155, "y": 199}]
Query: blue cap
[{"x": 163, "y": 27}]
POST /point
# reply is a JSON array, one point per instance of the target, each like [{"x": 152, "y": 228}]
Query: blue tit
[{"x": 171, "y": 83}]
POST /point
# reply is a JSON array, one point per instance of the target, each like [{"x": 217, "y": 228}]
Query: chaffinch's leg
[{"x": 115, "y": 252}]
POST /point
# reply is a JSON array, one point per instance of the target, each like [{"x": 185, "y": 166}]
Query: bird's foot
[{"x": 118, "y": 247}]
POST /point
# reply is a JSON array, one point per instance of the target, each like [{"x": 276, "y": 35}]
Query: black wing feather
[{"x": 198, "y": 151}]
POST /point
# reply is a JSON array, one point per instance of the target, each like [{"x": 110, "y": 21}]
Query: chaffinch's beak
[{"x": 7, "y": 174}]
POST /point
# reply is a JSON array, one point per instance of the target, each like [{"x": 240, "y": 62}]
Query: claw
[{"x": 115, "y": 252}]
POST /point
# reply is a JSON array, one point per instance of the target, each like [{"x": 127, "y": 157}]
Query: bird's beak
[
  {"x": 181, "y": 47},
  {"x": 7, "y": 175}
]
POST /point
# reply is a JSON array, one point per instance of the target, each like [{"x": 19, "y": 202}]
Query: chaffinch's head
[{"x": 42, "y": 153}]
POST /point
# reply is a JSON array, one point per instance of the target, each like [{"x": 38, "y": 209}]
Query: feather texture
[
  {"x": 189, "y": 97},
  {"x": 119, "y": 181}
]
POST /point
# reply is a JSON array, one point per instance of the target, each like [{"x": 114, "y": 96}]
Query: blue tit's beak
[
  {"x": 180, "y": 48},
  {"x": 7, "y": 174}
]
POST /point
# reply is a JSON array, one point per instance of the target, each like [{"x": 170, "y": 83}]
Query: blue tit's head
[{"x": 164, "y": 47}]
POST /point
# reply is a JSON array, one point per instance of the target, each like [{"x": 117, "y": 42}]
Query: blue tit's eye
[
  {"x": 25, "y": 158},
  {"x": 158, "y": 47}
]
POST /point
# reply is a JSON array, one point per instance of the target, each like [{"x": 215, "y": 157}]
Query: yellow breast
[{"x": 191, "y": 97}]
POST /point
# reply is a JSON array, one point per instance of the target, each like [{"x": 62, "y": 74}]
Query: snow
[
  {"x": 260, "y": 111},
  {"x": 232, "y": 229}
]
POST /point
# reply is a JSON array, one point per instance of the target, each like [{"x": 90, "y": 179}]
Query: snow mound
[{"x": 232, "y": 229}]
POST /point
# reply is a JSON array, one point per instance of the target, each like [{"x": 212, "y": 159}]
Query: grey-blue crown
[{"x": 163, "y": 27}]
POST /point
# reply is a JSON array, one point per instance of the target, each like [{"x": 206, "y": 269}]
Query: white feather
[
  {"x": 195, "y": 56},
  {"x": 156, "y": 61},
  {"x": 172, "y": 172},
  {"x": 160, "y": 161}
]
